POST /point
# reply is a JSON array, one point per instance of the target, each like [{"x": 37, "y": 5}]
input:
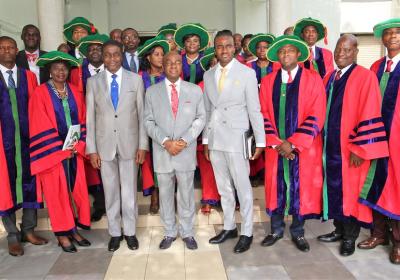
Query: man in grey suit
[
  {"x": 232, "y": 104},
  {"x": 174, "y": 118},
  {"x": 116, "y": 140}
]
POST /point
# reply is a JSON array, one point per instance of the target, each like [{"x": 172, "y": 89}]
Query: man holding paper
[
  {"x": 232, "y": 104},
  {"x": 117, "y": 141}
]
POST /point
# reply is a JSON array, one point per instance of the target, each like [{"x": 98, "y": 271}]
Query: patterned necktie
[
  {"x": 11, "y": 82},
  {"x": 31, "y": 57},
  {"x": 389, "y": 65},
  {"x": 290, "y": 79},
  {"x": 221, "y": 80},
  {"x": 97, "y": 70},
  {"x": 114, "y": 91},
  {"x": 338, "y": 75},
  {"x": 174, "y": 99},
  {"x": 132, "y": 64}
]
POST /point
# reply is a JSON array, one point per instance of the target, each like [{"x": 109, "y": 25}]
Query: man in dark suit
[
  {"x": 27, "y": 58},
  {"x": 130, "y": 40}
]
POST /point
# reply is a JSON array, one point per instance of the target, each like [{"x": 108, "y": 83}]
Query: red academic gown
[
  {"x": 354, "y": 126},
  {"x": 210, "y": 193},
  {"x": 304, "y": 116},
  {"x": 323, "y": 62},
  {"x": 382, "y": 193},
  {"x": 67, "y": 200},
  {"x": 78, "y": 78},
  {"x": 17, "y": 185}
]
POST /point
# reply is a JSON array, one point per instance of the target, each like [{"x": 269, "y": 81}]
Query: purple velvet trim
[
  {"x": 212, "y": 202},
  {"x": 379, "y": 209},
  {"x": 148, "y": 191},
  {"x": 67, "y": 232},
  {"x": 43, "y": 134},
  {"x": 186, "y": 69},
  {"x": 370, "y": 141},
  {"x": 85, "y": 75},
  {"x": 147, "y": 80},
  {"x": 367, "y": 132}
]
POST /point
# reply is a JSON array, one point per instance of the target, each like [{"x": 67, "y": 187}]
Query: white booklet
[{"x": 74, "y": 133}]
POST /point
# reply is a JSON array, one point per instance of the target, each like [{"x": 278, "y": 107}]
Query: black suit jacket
[{"x": 22, "y": 62}]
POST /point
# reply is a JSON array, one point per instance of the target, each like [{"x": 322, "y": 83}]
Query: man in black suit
[
  {"x": 130, "y": 40},
  {"x": 27, "y": 58}
]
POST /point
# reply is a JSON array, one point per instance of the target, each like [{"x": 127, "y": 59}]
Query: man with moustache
[
  {"x": 174, "y": 118},
  {"x": 130, "y": 40},
  {"x": 354, "y": 136},
  {"x": 27, "y": 58},
  {"x": 116, "y": 140},
  {"x": 232, "y": 105}
]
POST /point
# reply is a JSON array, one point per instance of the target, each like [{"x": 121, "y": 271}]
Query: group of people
[{"x": 325, "y": 137}]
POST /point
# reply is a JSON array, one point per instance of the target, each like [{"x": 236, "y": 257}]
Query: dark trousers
[
  {"x": 349, "y": 229},
  {"x": 385, "y": 227},
  {"x": 98, "y": 197},
  {"x": 29, "y": 222},
  {"x": 278, "y": 225}
]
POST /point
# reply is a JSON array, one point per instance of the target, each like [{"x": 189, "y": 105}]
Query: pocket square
[{"x": 188, "y": 102}]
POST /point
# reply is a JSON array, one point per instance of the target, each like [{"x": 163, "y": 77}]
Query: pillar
[{"x": 51, "y": 23}]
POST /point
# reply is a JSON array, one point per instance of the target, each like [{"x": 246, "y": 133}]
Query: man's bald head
[
  {"x": 172, "y": 64},
  {"x": 171, "y": 54},
  {"x": 346, "y": 50}
]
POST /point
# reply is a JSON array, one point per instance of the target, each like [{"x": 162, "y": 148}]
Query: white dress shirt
[
  {"x": 285, "y": 74},
  {"x": 119, "y": 79},
  {"x": 344, "y": 70},
  {"x": 128, "y": 56},
  {"x": 92, "y": 69},
  {"x": 32, "y": 65},
  {"x": 313, "y": 50},
  {"x": 395, "y": 60},
  {"x": 4, "y": 70},
  {"x": 219, "y": 70},
  {"x": 168, "y": 83},
  {"x": 77, "y": 53}
]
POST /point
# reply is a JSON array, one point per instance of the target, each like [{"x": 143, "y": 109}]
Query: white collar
[
  {"x": 35, "y": 52},
  {"x": 4, "y": 69},
  {"x": 118, "y": 73},
  {"x": 395, "y": 59},
  {"x": 168, "y": 82},
  {"x": 344, "y": 70},
  {"x": 292, "y": 72},
  {"x": 227, "y": 67},
  {"x": 91, "y": 67}
]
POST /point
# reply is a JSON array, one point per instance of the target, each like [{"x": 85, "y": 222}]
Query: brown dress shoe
[
  {"x": 372, "y": 242},
  {"x": 154, "y": 205},
  {"x": 15, "y": 249},
  {"x": 395, "y": 255},
  {"x": 34, "y": 239}
]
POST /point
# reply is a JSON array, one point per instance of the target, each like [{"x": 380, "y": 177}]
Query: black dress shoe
[
  {"x": 113, "y": 244},
  {"x": 347, "y": 247},
  {"x": 166, "y": 242},
  {"x": 190, "y": 243},
  {"x": 223, "y": 236},
  {"x": 84, "y": 242},
  {"x": 97, "y": 215},
  {"x": 330, "y": 237},
  {"x": 132, "y": 242},
  {"x": 243, "y": 244},
  {"x": 68, "y": 249},
  {"x": 270, "y": 239},
  {"x": 301, "y": 243}
]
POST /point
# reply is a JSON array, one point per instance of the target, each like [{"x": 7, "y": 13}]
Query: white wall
[
  {"x": 250, "y": 16},
  {"x": 361, "y": 17}
]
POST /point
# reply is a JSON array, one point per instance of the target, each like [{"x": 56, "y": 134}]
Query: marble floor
[{"x": 281, "y": 261}]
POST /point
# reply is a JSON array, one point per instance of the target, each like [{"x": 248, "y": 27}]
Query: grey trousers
[
  {"x": 29, "y": 222},
  {"x": 120, "y": 191},
  {"x": 185, "y": 201},
  {"x": 232, "y": 171}
]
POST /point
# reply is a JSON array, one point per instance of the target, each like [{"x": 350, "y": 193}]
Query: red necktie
[
  {"x": 311, "y": 58},
  {"x": 174, "y": 99},
  {"x": 290, "y": 79},
  {"x": 389, "y": 65},
  {"x": 31, "y": 57},
  {"x": 338, "y": 74}
]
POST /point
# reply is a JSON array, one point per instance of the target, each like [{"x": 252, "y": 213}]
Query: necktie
[
  {"x": 338, "y": 75},
  {"x": 311, "y": 58},
  {"x": 290, "y": 79},
  {"x": 11, "y": 82},
  {"x": 174, "y": 99},
  {"x": 221, "y": 80},
  {"x": 31, "y": 57},
  {"x": 97, "y": 70},
  {"x": 132, "y": 64},
  {"x": 389, "y": 65},
  {"x": 114, "y": 91}
]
